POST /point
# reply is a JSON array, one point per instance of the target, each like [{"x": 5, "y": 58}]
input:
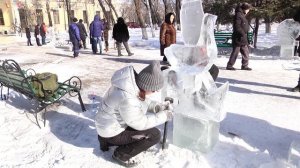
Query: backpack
[{"x": 49, "y": 82}]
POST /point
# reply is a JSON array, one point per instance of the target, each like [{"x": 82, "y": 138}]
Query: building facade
[{"x": 21, "y": 13}]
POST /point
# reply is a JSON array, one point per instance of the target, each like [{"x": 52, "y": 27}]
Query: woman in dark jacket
[
  {"x": 36, "y": 34},
  {"x": 121, "y": 35},
  {"x": 167, "y": 34},
  {"x": 83, "y": 33},
  {"x": 239, "y": 37},
  {"x": 28, "y": 36}
]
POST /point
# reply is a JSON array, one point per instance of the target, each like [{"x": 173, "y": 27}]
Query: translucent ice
[
  {"x": 194, "y": 133},
  {"x": 191, "y": 15},
  {"x": 287, "y": 31},
  {"x": 294, "y": 154}
]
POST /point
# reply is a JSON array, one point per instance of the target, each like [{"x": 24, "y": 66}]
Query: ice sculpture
[
  {"x": 287, "y": 31},
  {"x": 199, "y": 102}
]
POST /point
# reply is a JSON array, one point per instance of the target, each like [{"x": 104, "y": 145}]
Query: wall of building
[{"x": 32, "y": 5}]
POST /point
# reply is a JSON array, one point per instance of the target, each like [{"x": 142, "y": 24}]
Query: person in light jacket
[{"x": 124, "y": 118}]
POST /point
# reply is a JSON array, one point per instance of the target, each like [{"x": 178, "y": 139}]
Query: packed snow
[{"x": 261, "y": 123}]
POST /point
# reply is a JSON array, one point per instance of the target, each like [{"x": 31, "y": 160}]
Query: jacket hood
[
  {"x": 120, "y": 20},
  {"x": 124, "y": 79},
  {"x": 97, "y": 18}
]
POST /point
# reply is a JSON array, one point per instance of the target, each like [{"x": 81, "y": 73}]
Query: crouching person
[{"x": 123, "y": 120}]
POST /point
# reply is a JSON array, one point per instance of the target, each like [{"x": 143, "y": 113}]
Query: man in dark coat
[
  {"x": 36, "y": 35},
  {"x": 121, "y": 35},
  {"x": 297, "y": 19},
  {"x": 28, "y": 36},
  {"x": 83, "y": 33},
  {"x": 75, "y": 37},
  {"x": 43, "y": 31},
  {"x": 96, "y": 28},
  {"x": 239, "y": 37}
]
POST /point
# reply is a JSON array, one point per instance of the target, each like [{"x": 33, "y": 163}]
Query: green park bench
[
  {"x": 13, "y": 77},
  {"x": 223, "y": 39}
]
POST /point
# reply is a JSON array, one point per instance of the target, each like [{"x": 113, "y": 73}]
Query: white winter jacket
[{"x": 121, "y": 107}]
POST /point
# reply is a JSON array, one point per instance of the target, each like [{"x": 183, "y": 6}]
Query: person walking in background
[
  {"x": 43, "y": 30},
  {"x": 167, "y": 34},
  {"x": 96, "y": 28},
  {"x": 121, "y": 35},
  {"x": 105, "y": 34},
  {"x": 28, "y": 36},
  {"x": 37, "y": 34},
  {"x": 83, "y": 33},
  {"x": 127, "y": 118},
  {"x": 239, "y": 37},
  {"x": 75, "y": 37}
]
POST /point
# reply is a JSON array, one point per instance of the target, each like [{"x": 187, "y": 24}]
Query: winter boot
[
  {"x": 126, "y": 163},
  {"x": 296, "y": 89}
]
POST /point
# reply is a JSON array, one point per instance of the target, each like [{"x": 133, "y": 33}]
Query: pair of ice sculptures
[{"x": 198, "y": 101}]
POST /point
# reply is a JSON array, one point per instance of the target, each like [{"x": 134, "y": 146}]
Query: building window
[
  {"x": 1, "y": 18},
  {"x": 39, "y": 16},
  {"x": 72, "y": 14},
  {"x": 98, "y": 13},
  {"x": 85, "y": 17},
  {"x": 56, "y": 16}
]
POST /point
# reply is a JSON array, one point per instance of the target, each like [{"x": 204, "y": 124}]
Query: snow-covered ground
[{"x": 262, "y": 116}]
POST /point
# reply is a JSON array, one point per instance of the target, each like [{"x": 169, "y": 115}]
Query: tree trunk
[
  {"x": 111, "y": 6},
  {"x": 166, "y": 6},
  {"x": 256, "y": 31},
  {"x": 268, "y": 24},
  {"x": 156, "y": 17},
  {"x": 48, "y": 13},
  {"x": 106, "y": 14},
  {"x": 150, "y": 18},
  {"x": 178, "y": 7},
  {"x": 137, "y": 4}
]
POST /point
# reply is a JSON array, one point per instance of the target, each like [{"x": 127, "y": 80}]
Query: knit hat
[{"x": 150, "y": 78}]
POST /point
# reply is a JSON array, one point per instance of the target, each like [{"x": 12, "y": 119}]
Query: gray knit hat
[{"x": 150, "y": 78}]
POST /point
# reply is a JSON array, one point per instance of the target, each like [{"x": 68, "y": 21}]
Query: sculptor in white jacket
[{"x": 124, "y": 119}]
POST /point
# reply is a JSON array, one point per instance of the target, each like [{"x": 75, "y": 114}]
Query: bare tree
[
  {"x": 48, "y": 13},
  {"x": 178, "y": 7},
  {"x": 111, "y": 6},
  {"x": 137, "y": 4}
]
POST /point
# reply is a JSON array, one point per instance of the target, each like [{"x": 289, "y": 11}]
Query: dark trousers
[
  {"x": 75, "y": 48},
  {"x": 84, "y": 43},
  {"x": 125, "y": 43},
  {"x": 234, "y": 54},
  {"x": 37, "y": 41},
  {"x": 44, "y": 40},
  {"x": 129, "y": 147},
  {"x": 106, "y": 44},
  {"x": 29, "y": 41}
]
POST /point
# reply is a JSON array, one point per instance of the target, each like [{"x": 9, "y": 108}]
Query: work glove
[
  {"x": 166, "y": 105},
  {"x": 169, "y": 114}
]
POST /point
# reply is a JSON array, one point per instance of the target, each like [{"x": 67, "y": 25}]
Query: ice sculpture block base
[
  {"x": 294, "y": 154},
  {"x": 287, "y": 51},
  {"x": 194, "y": 133}
]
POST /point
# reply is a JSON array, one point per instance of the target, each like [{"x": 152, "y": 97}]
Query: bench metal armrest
[{"x": 75, "y": 84}]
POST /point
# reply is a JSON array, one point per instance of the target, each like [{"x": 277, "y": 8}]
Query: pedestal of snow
[{"x": 294, "y": 154}]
